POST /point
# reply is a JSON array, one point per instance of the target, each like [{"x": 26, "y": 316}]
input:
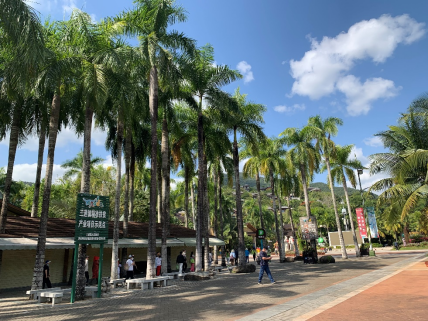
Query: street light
[{"x": 360, "y": 172}]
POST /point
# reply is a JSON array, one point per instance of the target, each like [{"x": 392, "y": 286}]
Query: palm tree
[
  {"x": 149, "y": 21},
  {"x": 271, "y": 153},
  {"x": 205, "y": 81},
  {"x": 303, "y": 155},
  {"x": 343, "y": 167},
  {"x": 74, "y": 166},
  {"x": 246, "y": 121},
  {"x": 325, "y": 129}
]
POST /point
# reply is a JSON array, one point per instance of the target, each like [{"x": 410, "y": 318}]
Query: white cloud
[
  {"x": 27, "y": 172},
  {"x": 324, "y": 69},
  {"x": 68, "y": 5},
  {"x": 367, "y": 180},
  {"x": 245, "y": 69},
  {"x": 289, "y": 109},
  {"x": 373, "y": 141}
]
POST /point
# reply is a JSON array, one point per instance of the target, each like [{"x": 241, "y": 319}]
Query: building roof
[
  {"x": 15, "y": 210},
  {"x": 21, "y": 226}
]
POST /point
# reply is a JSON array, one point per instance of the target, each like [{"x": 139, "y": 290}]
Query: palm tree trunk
[
  {"x": 41, "y": 241},
  {"x": 128, "y": 142},
  {"x": 281, "y": 231},
  {"x": 42, "y": 140},
  {"x": 192, "y": 196},
  {"x": 259, "y": 198},
  {"x": 354, "y": 235},
  {"x": 278, "y": 234},
  {"x": 13, "y": 144},
  {"x": 305, "y": 190},
  {"x": 206, "y": 206},
  {"x": 239, "y": 218},
  {"x": 339, "y": 228},
  {"x": 201, "y": 183},
  {"x": 84, "y": 188},
  {"x": 115, "y": 246},
  {"x": 166, "y": 168},
  {"x": 186, "y": 195},
  {"x": 406, "y": 232},
  {"x": 296, "y": 247},
  {"x": 159, "y": 173},
  {"x": 220, "y": 205},
  {"x": 153, "y": 105},
  {"x": 215, "y": 213},
  {"x": 132, "y": 183}
]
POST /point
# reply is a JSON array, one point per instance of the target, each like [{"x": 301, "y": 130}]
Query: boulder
[
  {"x": 289, "y": 259},
  {"x": 327, "y": 259},
  {"x": 298, "y": 258},
  {"x": 248, "y": 268},
  {"x": 198, "y": 276}
]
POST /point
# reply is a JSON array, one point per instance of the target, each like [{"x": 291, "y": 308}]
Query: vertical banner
[
  {"x": 372, "y": 222},
  {"x": 308, "y": 226},
  {"x": 361, "y": 222}
]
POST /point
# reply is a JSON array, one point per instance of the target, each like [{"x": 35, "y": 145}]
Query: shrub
[
  {"x": 350, "y": 246},
  {"x": 327, "y": 259},
  {"x": 377, "y": 245}
]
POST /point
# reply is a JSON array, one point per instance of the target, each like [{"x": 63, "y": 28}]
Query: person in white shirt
[
  {"x": 87, "y": 269},
  {"x": 130, "y": 264},
  {"x": 158, "y": 262}
]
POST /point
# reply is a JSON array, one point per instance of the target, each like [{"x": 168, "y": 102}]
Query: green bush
[
  {"x": 350, "y": 246},
  {"x": 377, "y": 245}
]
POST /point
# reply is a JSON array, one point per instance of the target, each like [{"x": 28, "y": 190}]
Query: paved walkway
[{"x": 299, "y": 289}]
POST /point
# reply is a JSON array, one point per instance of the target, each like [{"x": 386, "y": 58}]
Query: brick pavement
[{"x": 226, "y": 297}]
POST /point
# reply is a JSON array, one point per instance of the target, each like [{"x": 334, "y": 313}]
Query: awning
[
  {"x": 137, "y": 243},
  {"x": 190, "y": 241},
  {"x": 24, "y": 243}
]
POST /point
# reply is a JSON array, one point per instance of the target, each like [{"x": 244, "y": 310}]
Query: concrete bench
[
  {"x": 56, "y": 297},
  {"x": 218, "y": 268},
  {"x": 116, "y": 282},
  {"x": 148, "y": 283},
  {"x": 91, "y": 291},
  {"x": 163, "y": 279},
  {"x": 34, "y": 294}
]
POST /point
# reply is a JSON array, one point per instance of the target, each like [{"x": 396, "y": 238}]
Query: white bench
[
  {"x": 163, "y": 279},
  {"x": 115, "y": 282},
  {"x": 34, "y": 294},
  {"x": 56, "y": 297},
  {"x": 148, "y": 283},
  {"x": 91, "y": 291},
  {"x": 218, "y": 268}
]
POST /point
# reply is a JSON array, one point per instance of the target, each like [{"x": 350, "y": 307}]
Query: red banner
[{"x": 361, "y": 222}]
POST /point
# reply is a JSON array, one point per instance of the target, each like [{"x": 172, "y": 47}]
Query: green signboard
[
  {"x": 92, "y": 213},
  {"x": 261, "y": 234}
]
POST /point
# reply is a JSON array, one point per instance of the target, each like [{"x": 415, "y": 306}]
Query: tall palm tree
[
  {"x": 271, "y": 153},
  {"x": 150, "y": 21},
  {"x": 325, "y": 129},
  {"x": 246, "y": 121},
  {"x": 304, "y": 156},
  {"x": 204, "y": 81},
  {"x": 343, "y": 167}
]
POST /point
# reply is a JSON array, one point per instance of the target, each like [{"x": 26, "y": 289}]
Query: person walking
[
  {"x": 185, "y": 261},
  {"x": 192, "y": 262},
  {"x": 236, "y": 257},
  {"x": 158, "y": 262},
  {"x": 264, "y": 266},
  {"x": 46, "y": 275},
  {"x": 227, "y": 256},
  {"x": 87, "y": 269},
  {"x": 247, "y": 255},
  {"x": 180, "y": 261},
  {"x": 210, "y": 258},
  {"x": 130, "y": 264},
  {"x": 95, "y": 268},
  {"x": 232, "y": 257},
  {"x": 119, "y": 269},
  {"x": 254, "y": 255}
]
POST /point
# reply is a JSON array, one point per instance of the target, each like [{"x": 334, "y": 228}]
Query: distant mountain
[{"x": 338, "y": 191}]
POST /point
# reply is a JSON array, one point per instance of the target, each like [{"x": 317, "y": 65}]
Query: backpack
[{"x": 258, "y": 259}]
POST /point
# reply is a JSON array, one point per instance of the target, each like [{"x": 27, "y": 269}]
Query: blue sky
[{"x": 362, "y": 61}]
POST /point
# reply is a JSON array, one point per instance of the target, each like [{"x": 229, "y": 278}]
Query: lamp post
[{"x": 360, "y": 172}]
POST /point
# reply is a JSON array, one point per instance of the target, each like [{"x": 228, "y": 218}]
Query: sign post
[
  {"x": 92, "y": 215},
  {"x": 261, "y": 235}
]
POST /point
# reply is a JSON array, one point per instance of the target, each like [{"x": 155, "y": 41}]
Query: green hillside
[{"x": 338, "y": 191}]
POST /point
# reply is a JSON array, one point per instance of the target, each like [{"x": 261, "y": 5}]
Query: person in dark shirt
[
  {"x": 46, "y": 275},
  {"x": 180, "y": 260},
  {"x": 264, "y": 265}
]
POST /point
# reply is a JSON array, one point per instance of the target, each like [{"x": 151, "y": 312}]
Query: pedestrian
[
  {"x": 404, "y": 242},
  {"x": 264, "y": 265},
  {"x": 210, "y": 258},
  {"x": 46, "y": 275},
  {"x": 95, "y": 268},
  {"x": 119, "y": 269},
  {"x": 129, "y": 267},
  {"x": 232, "y": 257},
  {"x": 227, "y": 255},
  {"x": 185, "y": 261},
  {"x": 254, "y": 255},
  {"x": 236, "y": 257},
  {"x": 180, "y": 261},
  {"x": 158, "y": 262},
  {"x": 87, "y": 269},
  {"x": 247, "y": 255},
  {"x": 396, "y": 245},
  {"x": 192, "y": 262}
]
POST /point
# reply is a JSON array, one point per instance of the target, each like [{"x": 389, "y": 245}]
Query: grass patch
[{"x": 422, "y": 247}]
